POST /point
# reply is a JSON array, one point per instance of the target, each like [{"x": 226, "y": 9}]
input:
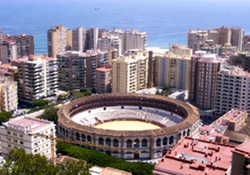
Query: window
[
  {"x": 21, "y": 142},
  {"x": 21, "y": 135},
  {"x": 165, "y": 141},
  {"x": 115, "y": 143},
  {"x": 144, "y": 143},
  {"x": 8, "y": 132},
  {"x": 100, "y": 141},
  {"x": 129, "y": 143},
  {"x": 158, "y": 142},
  {"x": 136, "y": 143},
  {"x": 108, "y": 142},
  {"x": 35, "y": 151}
]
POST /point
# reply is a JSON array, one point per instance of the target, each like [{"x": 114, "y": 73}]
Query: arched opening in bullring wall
[
  {"x": 168, "y": 136},
  {"x": 136, "y": 155}
]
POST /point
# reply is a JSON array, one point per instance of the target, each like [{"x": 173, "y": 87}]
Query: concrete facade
[
  {"x": 8, "y": 51},
  {"x": 57, "y": 40},
  {"x": 15, "y": 134},
  {"x": 25, "y": 44},
  {"x": 77, "y": 70},
  {"x": 172, "y": 70},
  {"x": 37, "y": 77},
  {"x": 103, "y": 79},
  {"x": 204, "y": 72},
  {"x": 129, "y": 73},
  {"x": 232, "y": 90},
  {"x": 220, "y": 36},
  {"x": 8, "y": 94}
]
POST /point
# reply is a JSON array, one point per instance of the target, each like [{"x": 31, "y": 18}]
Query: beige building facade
[
  {"x": 172, "y": 70},
  {"x": 8, "y": 94},
  {"x": 130, "y": 73}
]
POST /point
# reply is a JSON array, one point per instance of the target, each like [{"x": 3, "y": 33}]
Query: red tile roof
[{"x": 196, "y": 157}]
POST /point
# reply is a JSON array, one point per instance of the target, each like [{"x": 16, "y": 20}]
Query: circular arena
[{"x": 148, "y": 124}]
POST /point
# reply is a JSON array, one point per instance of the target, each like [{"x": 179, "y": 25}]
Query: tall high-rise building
[
  {"x": 77, "y": 70},
  {"x": 246, "y": 43},
  {"x": 196, "y": 36},
  {"x": 131, "y": 39},
  {"x": 8, "y": 51},
  {"x": 1, "y": 40},
  {"x": 92, "y": 37},
  {"x": 220, "y": 36},
  {"x": 79, "y": 39},
  {"x": 25, "y": 44},
  {"x": 181, "y": 50},
  {"x": 37, "y": 77},
  {"x": 57, "y": 40},
  {"x": 172, "y": 70},
  {"x": 150, "y": 82},
  {"x": 8, "y": 94},
  {"x": 9, "y": 71},
  {"x": 129, "y": 73},
  {"x": 204, "y": 72},
  {"x": 241, "y": 59},
  {"x": 233, "y": 85},
  {"x": 109, "y": 41},
  {"x": 1, "y": 36},
  {"x": 241, "y": 159},
  {"x": 103, "y": 79}
]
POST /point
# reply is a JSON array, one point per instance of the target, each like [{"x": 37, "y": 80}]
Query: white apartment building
[
  {"x": 16, "y": 134},
  {"x": 233, "y": 90},
  {"x": 8, "y": 94},
  {"x": 110, "y": 41},
  {"x": 131, "y": 39},
  {"x": 37, "y": 77},
  {"x": 130, "y": 73}
]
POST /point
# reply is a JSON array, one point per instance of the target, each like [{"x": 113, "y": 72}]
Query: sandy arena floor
[{"x": 127, "y": 126}]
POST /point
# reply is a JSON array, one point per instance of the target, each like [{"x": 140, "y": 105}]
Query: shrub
[{"x": 104, "y": 160}]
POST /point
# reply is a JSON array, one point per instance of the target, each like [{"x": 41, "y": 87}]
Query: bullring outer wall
[{"x": 151, "y": 143}]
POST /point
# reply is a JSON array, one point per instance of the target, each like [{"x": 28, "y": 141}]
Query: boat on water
[{"x": 97, "y": 8}]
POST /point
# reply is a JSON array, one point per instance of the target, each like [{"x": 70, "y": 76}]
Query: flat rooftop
[
  {"x": 231, "y": 116},
  {"x": 244, "y": 149},
  {"x": 27, "y": 124},
  {"x": 196, "y": 157}
]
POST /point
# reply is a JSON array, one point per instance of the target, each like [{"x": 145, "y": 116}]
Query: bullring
[{"x": 172, "y": 119}]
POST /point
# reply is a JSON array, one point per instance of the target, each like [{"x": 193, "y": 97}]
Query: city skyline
[{"x": 168, "y": 24}]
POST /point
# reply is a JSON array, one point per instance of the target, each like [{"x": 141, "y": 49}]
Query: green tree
[
  {"x": 75, "y": 168},
  {"x": 50, "y": 114},
  {"x": 5, "y": 116},
  {"x": 104, "y": 160},
  {"x": 84, "y": 92},
  {"x": 40, "y": 103},
  {"x": 62, "y": 97},
  {"x": 166, "y": 90},
  {"x": 29, "y": 164},
  {"x": 84, "y": 89}
]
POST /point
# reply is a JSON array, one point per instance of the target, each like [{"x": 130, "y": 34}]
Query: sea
[{"x": 165, "y": 21}]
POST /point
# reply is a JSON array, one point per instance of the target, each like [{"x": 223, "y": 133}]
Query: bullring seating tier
[{"x": 99, "y": 115}]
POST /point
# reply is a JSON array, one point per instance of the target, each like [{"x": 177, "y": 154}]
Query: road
[{"x": 38, "y": 113}]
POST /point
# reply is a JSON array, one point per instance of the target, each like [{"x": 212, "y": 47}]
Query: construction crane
[{"x": 53, "y": 138}]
